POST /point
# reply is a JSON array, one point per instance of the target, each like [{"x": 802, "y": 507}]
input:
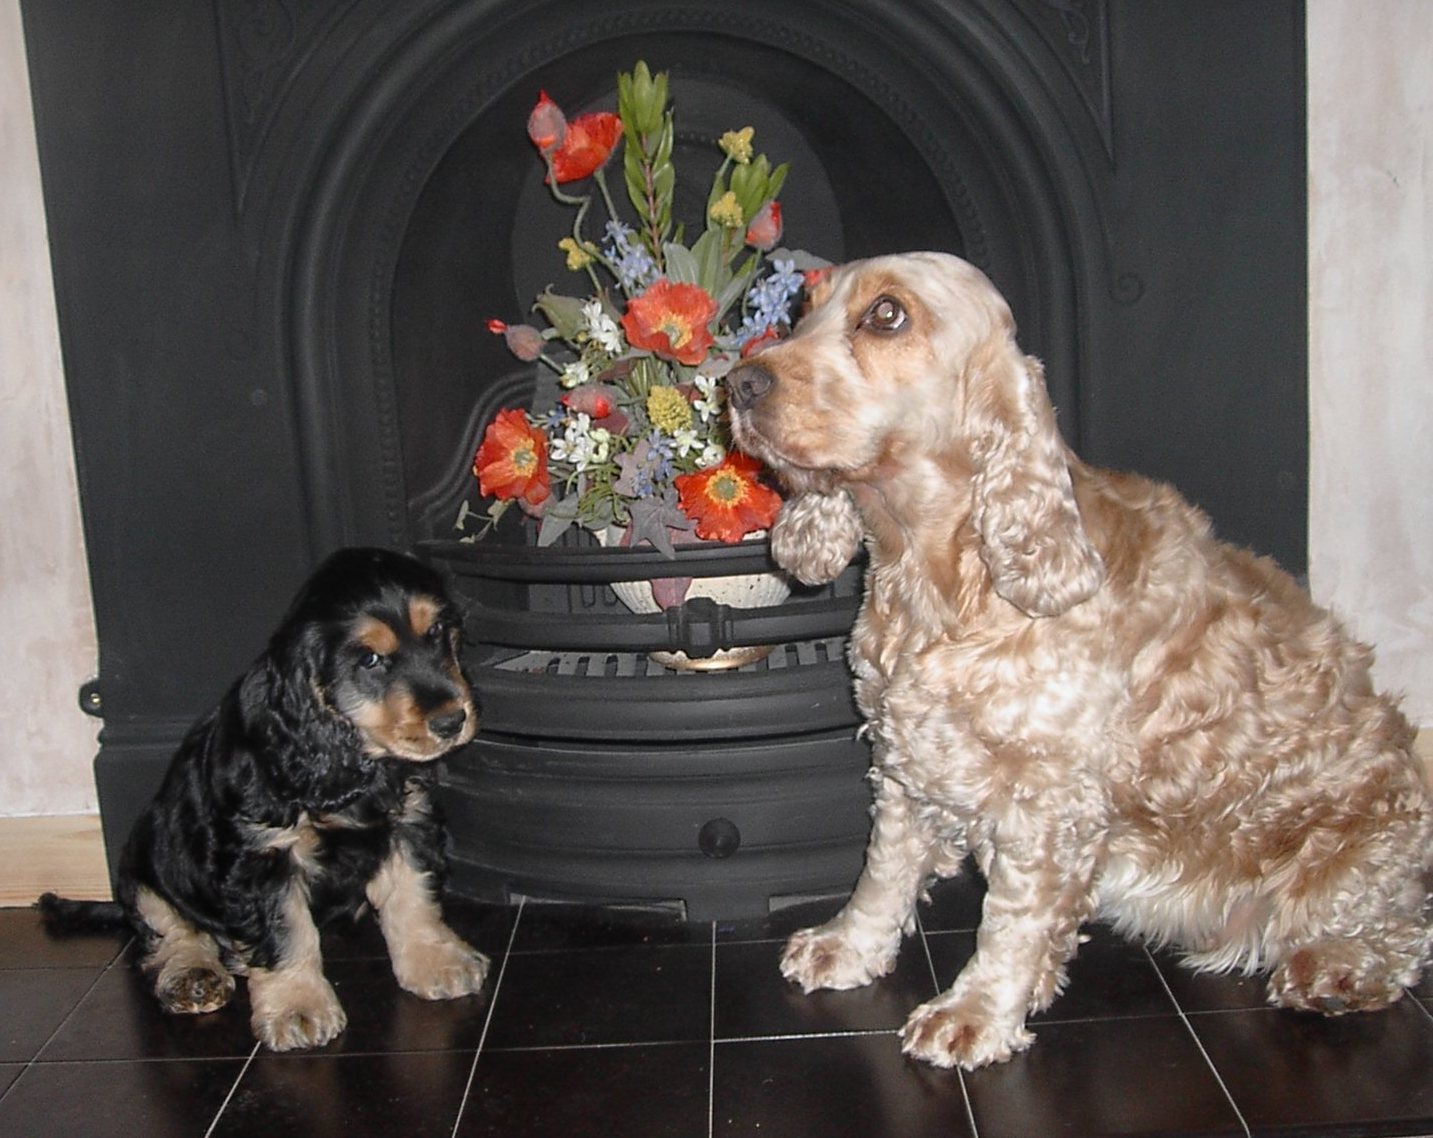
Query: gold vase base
[{"x": 723, "y": 660}]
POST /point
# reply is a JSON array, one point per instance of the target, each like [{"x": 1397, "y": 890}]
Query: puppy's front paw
[
  {"x": 194, "y": 991},
  {"x": 442, "y": 970},
  {"x": 959, "y": 1033},
  {"x": 295, "y": 1014},
  {"x": 827, "y": 958}
]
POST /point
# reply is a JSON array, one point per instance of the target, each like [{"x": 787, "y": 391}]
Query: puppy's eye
[
  {"x": 371, "y": 659},
  {"x": 887, "y": 314}
]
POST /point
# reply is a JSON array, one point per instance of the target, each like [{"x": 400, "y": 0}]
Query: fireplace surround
[{"x": 277, "y": 229}]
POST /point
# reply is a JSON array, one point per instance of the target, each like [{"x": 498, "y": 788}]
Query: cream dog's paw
[
  {"x": 825, "y": 957},
  {"x": 959, "y": 1033}
]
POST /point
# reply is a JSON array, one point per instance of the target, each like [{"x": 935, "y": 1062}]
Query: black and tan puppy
[{"x": 305, "y": 795}]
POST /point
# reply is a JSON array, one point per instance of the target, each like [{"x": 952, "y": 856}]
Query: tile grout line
[
  {"x": 239, "y": 1078},
  {"x": 935, "y": 983},
  {"x": 1199, "y": 1043},
  {"x": 488, "y": 1020},
  {"x": 711, "y": 1042},
  {"x": 35, "y": 1057}
]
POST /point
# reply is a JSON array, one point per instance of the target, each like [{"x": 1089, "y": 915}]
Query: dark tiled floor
[{"x": 623, "y": 1024}]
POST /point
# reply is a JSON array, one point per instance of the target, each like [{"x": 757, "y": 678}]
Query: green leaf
[
  {"x": 777, "y": 180},
  {"x": 737, "y": 286},
  {"x": 662, "y": 155},
  {"x": 560, "y": 513},
  {"x": 712, "y": 270},
  {"x": 681, "y": 265}
]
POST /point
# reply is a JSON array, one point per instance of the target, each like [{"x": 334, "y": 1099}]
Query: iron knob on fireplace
[{"x": 719, "y": 838}]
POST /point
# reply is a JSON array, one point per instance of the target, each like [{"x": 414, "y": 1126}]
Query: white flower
[
  {"x": 686, "y": 440},
  {"x": 575, "y": 374},
  {"x": 601, "y": 439},
  {"x": 582, "y": 444},
  {"x": 708, "y": 404},
  {"x": 712, "y": 454},
  {"x": 602, "y": 329}
]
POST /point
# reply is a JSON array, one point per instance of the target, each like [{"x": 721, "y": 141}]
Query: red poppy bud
[
  {"x": 593, "y": 399},
  {"x": 496, "y": 326},
  {"x": 765, "y": 229},
  {"x": 546, "y": 124},
  {"x": 524, "y": 341}
]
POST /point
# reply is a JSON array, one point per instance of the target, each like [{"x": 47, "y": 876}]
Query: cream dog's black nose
[{"x": 748, "y": 383}]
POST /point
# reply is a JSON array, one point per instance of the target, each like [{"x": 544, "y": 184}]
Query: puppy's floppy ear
[
  {"x": 285, "y": 704},
  {"x": 1033, "y": 541},
  {"x": 816, "y": 535}
]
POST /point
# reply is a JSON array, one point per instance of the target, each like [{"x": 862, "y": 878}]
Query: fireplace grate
[{"x": 638, "y": 665}]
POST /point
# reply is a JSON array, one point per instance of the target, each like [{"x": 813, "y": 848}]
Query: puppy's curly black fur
[{"x": 302, "y": 796}]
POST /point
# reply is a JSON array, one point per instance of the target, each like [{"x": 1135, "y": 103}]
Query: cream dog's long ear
[
  {"x": 1033, "y": 541},
  {"x": 816, "y": 535}
]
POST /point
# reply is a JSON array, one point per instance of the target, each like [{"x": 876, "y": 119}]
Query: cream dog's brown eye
[{"x": 886, "y": 315}]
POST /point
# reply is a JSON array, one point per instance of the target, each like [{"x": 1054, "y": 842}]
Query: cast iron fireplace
[{"x": 278, "y": 228}]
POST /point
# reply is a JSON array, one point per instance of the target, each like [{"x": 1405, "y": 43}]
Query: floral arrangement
[{"x": 638, "y": 437}]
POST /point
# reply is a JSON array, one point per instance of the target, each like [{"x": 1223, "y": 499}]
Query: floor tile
[
  {"x": 26, "y": 943},
  {"x": 634, "y": 994},
  {"x": 603, "y": 1023},
  {"x": 639, "y": 1091},
  {"x": 347, "y": 1096},
  {"x": 165, "y": 1099},
  {"x": 784, "y": 921},
  {"x": 857, "y": 1086},
  {"x": 1211, "y": 991},
  {"x": 754, "y": 999},
  {"x": 383, "y": 1017},
  {"x": 547, "y": 926},
  {"x": 1096, "y": 1077},
  {"x": 1292, "y": 1071},
  {"x": 954, "y": 903},
  {"x": 119, "y": 1018},
  {"x": 34, "y": 1003}
]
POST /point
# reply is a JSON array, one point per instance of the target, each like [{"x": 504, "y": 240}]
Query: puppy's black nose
[
  {"x": 449, "y": 724},
  {"x": 748, "y": 383}
]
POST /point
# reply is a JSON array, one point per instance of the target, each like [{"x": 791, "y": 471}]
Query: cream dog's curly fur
[{"x": 1066, "y": 674}]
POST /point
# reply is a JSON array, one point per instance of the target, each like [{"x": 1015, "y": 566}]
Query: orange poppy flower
[
  {"x": 670, "y": 320},
  {"x": 512, "y": 460},
  {"x": 726, "y": 501},
  {"x": 586, "y": 146}
]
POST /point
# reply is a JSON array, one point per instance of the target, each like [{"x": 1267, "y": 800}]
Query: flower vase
[{"x": 742, "y": 591}]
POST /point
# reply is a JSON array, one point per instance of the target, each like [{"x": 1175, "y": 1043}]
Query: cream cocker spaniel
[{"x": 1064, "y": 673}]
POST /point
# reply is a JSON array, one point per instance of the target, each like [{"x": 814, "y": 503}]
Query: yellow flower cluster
[
  {"x": 668, "y": 409},
  {"x": 578, "y": 256},
  {"x": 726, "y": 211},
  {"x": 736, "y": 144}
]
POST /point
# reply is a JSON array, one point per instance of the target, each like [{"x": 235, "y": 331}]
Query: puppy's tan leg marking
[
  {"x": 429, "y": 959},
  {"x": 183, "y": 962},
  {"x": 860, "y": 943},
  {"x": 293, "y": 1004}
]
